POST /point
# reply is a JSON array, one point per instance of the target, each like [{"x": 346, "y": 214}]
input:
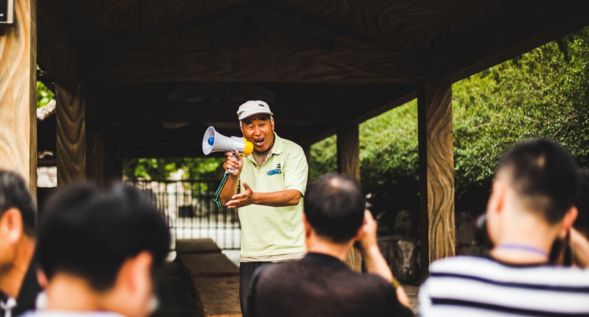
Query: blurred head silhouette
[
  {"x": 99, "y": 250},
  {"x": 334, "y": 210},
  {"x": 17, "y": 231},
  {"x": 532, "y": 201}
]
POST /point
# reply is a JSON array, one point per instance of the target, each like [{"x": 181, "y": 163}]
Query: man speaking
[{"x": 272, "y": 183}]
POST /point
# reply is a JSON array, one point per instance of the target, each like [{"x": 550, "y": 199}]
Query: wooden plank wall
[
  {"x": 348, "y": 162},
  {"x": 436, "y": 167},
  {"x": 18, "y": 119}
]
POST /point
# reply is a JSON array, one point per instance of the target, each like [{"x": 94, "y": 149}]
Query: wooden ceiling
[{"x": 162, "y": 70}]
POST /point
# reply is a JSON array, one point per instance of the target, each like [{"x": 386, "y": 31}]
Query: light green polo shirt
[{"x": 274, "y": 230}]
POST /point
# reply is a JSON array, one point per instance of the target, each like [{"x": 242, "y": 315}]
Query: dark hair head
[
  {"x": 334, "y": 207},
  {"x": 90, "y": 232},
  {"x": 582, "y": 203},
  {"x": 15, "y": 194},
  {"x": 544, "y": 175}
]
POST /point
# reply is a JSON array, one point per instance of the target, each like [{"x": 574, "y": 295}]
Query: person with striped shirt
[{"x": 531, "y": 206}]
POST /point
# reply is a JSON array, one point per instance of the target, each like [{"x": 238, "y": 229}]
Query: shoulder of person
[
  {"x": 457, "y": 263},
  {"x": 292, "y": 147},
  {"x": 274, "y": 270},
  {"x": 492, "y": 271},
  {"x": 49, "y": 313}
]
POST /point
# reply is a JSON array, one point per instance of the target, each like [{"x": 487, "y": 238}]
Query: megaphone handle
[{"x": 230, "y": 171}]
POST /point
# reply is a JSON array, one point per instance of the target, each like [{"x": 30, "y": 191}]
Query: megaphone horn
[{"x": 214, "y": 141}]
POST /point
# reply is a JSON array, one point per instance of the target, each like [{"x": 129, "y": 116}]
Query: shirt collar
[
  {"x": 323, "y": 258},
  {"x": 278, "y": 144}
]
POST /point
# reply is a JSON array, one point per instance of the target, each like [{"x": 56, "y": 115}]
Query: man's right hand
[
  {"x": 368, "y": 233},
  {"x": 233, "y": 164}
]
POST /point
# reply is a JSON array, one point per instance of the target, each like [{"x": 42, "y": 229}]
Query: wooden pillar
[
  {"x": 18, "y": 96},
  {"x": 70, "y": 134},
  {"x": 348, "y": 162},
  {"x": 80, "y": 149},
  {"x": 436, "y": 178}
]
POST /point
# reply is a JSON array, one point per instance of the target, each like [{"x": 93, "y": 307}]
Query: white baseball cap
[{"x": 252, "y": 107}]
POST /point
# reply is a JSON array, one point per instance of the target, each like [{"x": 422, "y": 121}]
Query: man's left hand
[{"x": 246, "y": 198}]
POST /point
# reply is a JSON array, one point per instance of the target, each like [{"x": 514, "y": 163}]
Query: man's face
[{"x": 259, "y": 130}]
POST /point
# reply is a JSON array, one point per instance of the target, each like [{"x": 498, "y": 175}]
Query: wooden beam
[
  {"x": 508, "y": 36},
  {"x": 57, "y": 53},
  {"x": 257, "y": 65},
  {"x": 18, "y": 96},
  {"x": 436, "y": 168},
  {"x": 348, "y": 162}
]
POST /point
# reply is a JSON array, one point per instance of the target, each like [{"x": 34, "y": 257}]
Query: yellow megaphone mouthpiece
[{"x": 249, "y": 147}]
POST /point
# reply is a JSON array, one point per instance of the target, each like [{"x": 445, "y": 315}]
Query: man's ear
[
  {"x": 308, "y": 228},
  {"x": 42, "y": 278},
  {"x": 497, "y": 198},
  {"x": 11, "y": 225},
  {"x": 360, "y": 232},
  {"x": 569, "y": 218},
  {"x": 136, "y": 272}
]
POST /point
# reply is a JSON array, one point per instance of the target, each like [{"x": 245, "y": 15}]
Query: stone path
[
  {"x": 176, "y": 299},
  {"x": 412, "y": 294}
]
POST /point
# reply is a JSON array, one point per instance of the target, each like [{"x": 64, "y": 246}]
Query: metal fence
[{"x": 189, "y": 211}]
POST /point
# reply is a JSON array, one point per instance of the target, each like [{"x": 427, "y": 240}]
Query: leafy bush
[
  {"x": 543, "y": 93},
  {"x": 44, "y": 95}
]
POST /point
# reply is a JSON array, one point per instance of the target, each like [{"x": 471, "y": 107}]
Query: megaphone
[{"x": 214, "y": 141}]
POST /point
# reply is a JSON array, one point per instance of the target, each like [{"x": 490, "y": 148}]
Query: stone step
[
  {"x": 206, "y": 245},
  {"x": 213, "y": 277},
  {"x": 218, "y": 296},
  {"x": 208, "y": 265}
]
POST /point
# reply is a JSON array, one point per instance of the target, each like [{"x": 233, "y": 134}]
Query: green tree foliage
[
  {"x": 44, "y": 95},
  {"x": 543, "y": 93},
  {"x": 192, "y": 168}
]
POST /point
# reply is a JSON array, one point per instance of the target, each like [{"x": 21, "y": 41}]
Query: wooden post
[
  {"x": 18, "y": 96},
  {"x": 436, "y": 178},
  {"x": 80, "y": 148},
  {"x": 70, "y": 134},
  {"x": 348, "y": 162}
]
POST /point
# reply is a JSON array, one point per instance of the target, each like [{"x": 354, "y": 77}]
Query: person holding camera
[
  {"x": 321, "y": 284},
  {"x": 531, "y": 206}
]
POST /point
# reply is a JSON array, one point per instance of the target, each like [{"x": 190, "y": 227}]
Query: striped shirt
[{"x": 473, "y": 286}]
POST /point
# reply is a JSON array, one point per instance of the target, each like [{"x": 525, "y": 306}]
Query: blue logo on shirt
[{"x": 273, "y": 172}]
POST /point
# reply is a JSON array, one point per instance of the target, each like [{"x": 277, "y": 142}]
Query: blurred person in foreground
[
  {"x": 531, "y": 206},
  {"x": 99, "y": 251},
  {"x": 321, "y": 284},
  {"x": 18, "y": 276}
]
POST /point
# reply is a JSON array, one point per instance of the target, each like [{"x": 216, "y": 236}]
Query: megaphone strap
[{"x": 219, "y": 190}]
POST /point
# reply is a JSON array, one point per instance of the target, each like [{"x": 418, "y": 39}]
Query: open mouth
[{"x": 259, "y": 142}]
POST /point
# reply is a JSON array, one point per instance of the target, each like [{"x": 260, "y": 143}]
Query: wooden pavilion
[{"x": 144, "y": 78}]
